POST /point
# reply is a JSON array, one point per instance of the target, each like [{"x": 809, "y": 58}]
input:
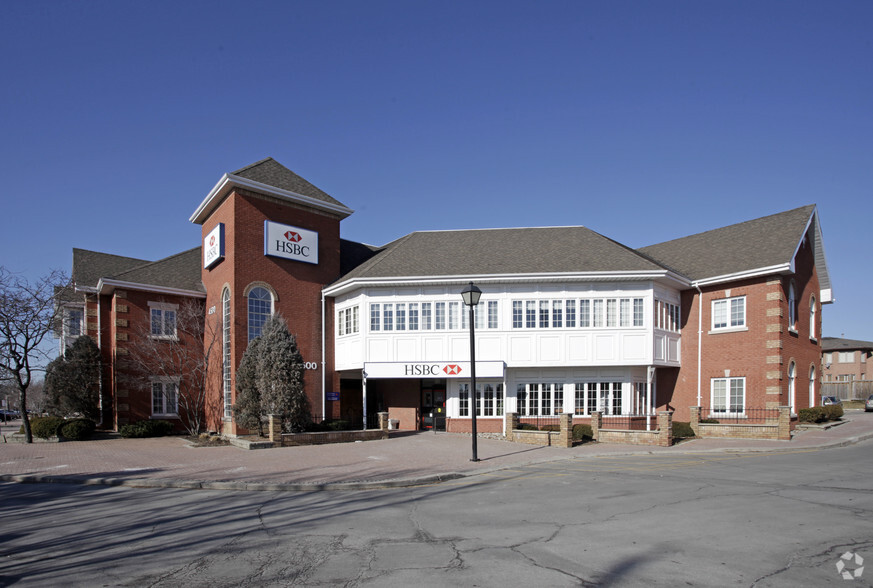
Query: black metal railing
[
  {"x": 542, "y": 423},
  {"x": 736, "y": 416}
]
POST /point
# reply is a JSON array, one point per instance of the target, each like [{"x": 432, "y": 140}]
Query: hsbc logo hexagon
[
  {"x": 292, "y": 236},
  {"x": 452, "y": 369}
]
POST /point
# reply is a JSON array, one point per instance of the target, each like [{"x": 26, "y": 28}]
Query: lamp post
[{"x": 471, "y": 295}]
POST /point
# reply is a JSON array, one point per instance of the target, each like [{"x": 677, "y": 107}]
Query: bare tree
[
  {"x": 28, "y": 312},
  {"x": 186, "y": 359}
]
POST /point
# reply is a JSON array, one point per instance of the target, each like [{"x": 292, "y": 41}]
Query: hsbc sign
[
  {"x": 290, "y": 242},
  {"x": 433, "y": 369},
  {"x": 213, "y": 246}
]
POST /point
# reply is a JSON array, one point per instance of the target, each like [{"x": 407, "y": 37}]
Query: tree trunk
[{"x": 22, "y": 406}]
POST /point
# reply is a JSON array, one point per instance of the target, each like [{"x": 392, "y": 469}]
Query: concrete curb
[{"x": 385, "y": 484}]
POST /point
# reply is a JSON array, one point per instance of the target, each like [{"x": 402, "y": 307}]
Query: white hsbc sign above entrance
[
  {"x": 290, "y": 242},
  {"x": 213, "y": 246},
  {"x": 433, "y": 369}
]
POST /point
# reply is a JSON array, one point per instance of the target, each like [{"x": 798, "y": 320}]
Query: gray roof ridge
[
  {"x": 840, "y": 342},
  {"x": 717, "y": 229},
  {"x": 251, "y": 165},
  {"x": 109, "y": 254},
  {"x": 648, "y": 258},
  {"x": 380, "y": 255}
]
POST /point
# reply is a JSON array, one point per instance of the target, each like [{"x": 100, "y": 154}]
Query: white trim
[
  {"x": 753, "y": 273},
  {"x": 230, "y": 181},
  {"x": 163, "y": 305},
  {"x": 343, "y": 287},
  {"x": 105, "y": 286}
]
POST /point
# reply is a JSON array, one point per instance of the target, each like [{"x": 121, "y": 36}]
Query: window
[
  {"x": 73, "y": 318},
  {"x": 792, "y": 307},
  {"x": 812, "y": 385},
  {"x": 571, "y": 313},
  {"x": 517, "y": 314},
  {"x": 489, "y": 400},
  {"x": 530, "y": 315},
  {"x": 440, "y": 315},
  {"x": 375, "y": 317},
  {"x": 792, "y": 385},
  {"x": 584, "y": 313},
  {"x": 729, "y": 313},
  {"x": 225, "y": 353},
  {"x": 425, "y": 316},
  {"x": 557, "y": 314},
  {"x": 454, "y": 314},
  {"x": 544, "y": 314},
  {"x": 638, "y": 312},
  {"x": 846, "y": 356},
  {"x": 400, "y": 321},
  {"x": 163, "y": 320},
  {"x": 492, "y": 314},
  {"x": 260, "y": 310},
  {"x": 598, "y": 313},
  {"x": 610, "y": 313},
  {"x": 624, "y": 312},
  {"x": 413, "y": 316},
  {"x": 164, "y": 398},
  {"x": 812, "y": 325},
  {"x": 387, "y": 317},
  {"x": 347, "y": 321},
  {"x": 728, "y": 395}
]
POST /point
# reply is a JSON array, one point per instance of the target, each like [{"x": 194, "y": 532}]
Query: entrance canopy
[{"x": 433, "y": 369}]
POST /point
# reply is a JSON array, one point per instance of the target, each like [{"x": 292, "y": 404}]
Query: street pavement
[{"x": 404, "y": 459}]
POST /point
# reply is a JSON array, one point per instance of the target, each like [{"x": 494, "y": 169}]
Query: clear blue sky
[{"x": 644, "y": 121}]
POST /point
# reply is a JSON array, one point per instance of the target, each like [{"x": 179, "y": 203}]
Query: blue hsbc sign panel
[{"x": 290, "y": 242}]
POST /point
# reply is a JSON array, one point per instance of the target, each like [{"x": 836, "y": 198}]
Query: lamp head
[{"x": 471, "y": 295}]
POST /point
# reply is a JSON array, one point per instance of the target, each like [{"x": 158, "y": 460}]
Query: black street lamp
[{"x": 471, "y": 295}]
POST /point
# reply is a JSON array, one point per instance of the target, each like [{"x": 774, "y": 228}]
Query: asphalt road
[{"x": 768, "y": 519}]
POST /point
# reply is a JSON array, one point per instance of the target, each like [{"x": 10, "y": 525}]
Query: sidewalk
[{"x": 405, "y": 459}]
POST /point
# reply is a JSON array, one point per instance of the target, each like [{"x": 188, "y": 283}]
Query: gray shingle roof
[
  {"x": 502, "y": 251},
  {"x": 90, "y": 266},
  {"x": 760, "y": 243},
  {"x": 837, "y": 344},
  {"x": 272, "y": 173},
  {"x": 181, "y": 270}
]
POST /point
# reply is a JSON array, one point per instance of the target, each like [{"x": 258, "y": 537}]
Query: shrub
[
  {"x": 147, "y": 428},
  {"x": 581, "y": 432},
  {"x": 550, "y": 428},
  {"x": 44, "y": 427},
  {"x": 810, "y": 415},
  {"x": 77, "y": 429},
  {"x": 682, "y": 429},
  {"x": 708, "y": 421},
  {"x": 526, "y": 427},
  {"x": 834, "y": 412}
]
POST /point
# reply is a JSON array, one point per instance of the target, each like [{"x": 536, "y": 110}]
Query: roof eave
[
  {"x": 460, "y": 279},
  {"x": 229, "y": 181},
  {"x": 782, "y": 268},
  {"x": 106, "y": 286}
]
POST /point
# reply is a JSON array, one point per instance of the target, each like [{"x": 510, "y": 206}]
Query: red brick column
[
  {"x": 665, "y": 428},
  {"x": 596, "y": 424}
]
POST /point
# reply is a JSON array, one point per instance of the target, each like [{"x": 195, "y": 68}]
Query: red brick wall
[
  {"x": 297, "y": 284},
  {"x": 761, "y": 353}
]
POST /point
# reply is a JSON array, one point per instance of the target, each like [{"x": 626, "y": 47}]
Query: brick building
[{"x": 569, "y": 321}]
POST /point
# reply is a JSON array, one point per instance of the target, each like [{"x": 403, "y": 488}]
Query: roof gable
[
  {"x": 761, "y": 244},
  {"x": 90, "y": 266},
  {"x": 180, "y": 271}
]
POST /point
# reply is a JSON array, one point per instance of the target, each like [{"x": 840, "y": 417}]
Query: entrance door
[{"x": 433, "y": 405}]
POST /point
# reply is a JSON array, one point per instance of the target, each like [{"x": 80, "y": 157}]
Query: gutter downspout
[
  {"x": 699, "y": 337},
  {"x": 100, "y": 347},
  {"x": 323, "y": 363}
]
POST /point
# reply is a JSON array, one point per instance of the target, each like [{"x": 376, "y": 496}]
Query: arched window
[
  {"x": 811, "y": 386},
  {"x": 792, "y": 377},
  {"x": 792, "y": 307},
  {"x": 225, "y": 353},
  {"x": 260, "y": 309},
  {"x": 812, "y": 326}
]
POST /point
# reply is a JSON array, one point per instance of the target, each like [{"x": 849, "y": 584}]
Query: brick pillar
[
  {"x": 275, "y": 421},
  {"x": 665, "y": 428},
  {"x": 565, "y": 439},
  {"x": 596, "y": 423},
  {"x": 383, "y": 420},
  {"x": 509, "y": 424},
  {"x": 695, "y": 420},
  {"x": 784, "y": 423}
]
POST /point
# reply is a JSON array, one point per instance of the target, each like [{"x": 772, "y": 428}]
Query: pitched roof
[
  {"x": 756, "y": 244},
  {"x": 272, "y": 173},
  {"x": 181, "y": 271},
  {"x": 837, "y": 344},
  {"x": 90, "y": 266},
  {"x": 485, "y": 252}
]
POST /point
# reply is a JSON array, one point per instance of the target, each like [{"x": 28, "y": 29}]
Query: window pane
[
  {"x": 738, "y": 312},
  {"x": 440, "y": 308},
  {"x": 425, "y": 316},
  {"x": 625, "y": 312},
  {"x": 584, "y": 313},
  {"x": 544, "y": 314},
  {"x": 492, "y": 314},
  {"x": 400, "y": 318},
  {"x": 719, "y": 314},
  {"x": 530, "y": 314},
  {"x": 598, "y": 313},
  {"x": 516, "y": 314},
  {"x": 413, "y": 317},
  {"x": 557, "y": 314},
  {"x": 387, "y": 317},
  {"x": 638, "y": 312},
  {"x": 375, "y": 317},
  {"x": 571, "y": 313}
]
